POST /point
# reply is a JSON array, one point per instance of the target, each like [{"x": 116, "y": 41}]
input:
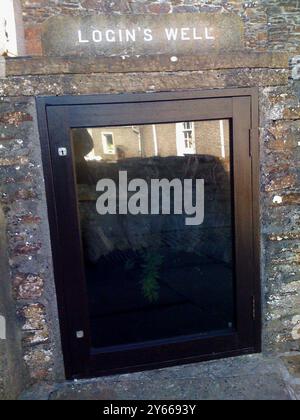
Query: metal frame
[{"x": 59, "y": 114}]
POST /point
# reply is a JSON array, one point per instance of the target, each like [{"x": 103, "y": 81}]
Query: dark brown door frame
[{"x": 58, "y": 115}]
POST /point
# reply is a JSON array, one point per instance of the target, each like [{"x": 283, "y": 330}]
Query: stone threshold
[
  {"x": 25, "y": 66},
  {"x": 254, "y": 377}
]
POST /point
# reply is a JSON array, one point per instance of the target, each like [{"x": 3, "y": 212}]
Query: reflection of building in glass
[
  {"x": 188, "y": 138},
  {"x": 185, "y": 138},
  {"x": 108, "y": 143}
]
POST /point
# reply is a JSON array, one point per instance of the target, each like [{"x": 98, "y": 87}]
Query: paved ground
[{"x": 243, "y": 378}]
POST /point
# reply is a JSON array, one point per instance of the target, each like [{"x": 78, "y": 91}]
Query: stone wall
[
  {"x": 29, "y": 270},
  {"x": 280, "y": 189},
  {"x": 269, "y": 24},
  {"x": 23, "y": 196},
  {"x": 11, "y": 367}
]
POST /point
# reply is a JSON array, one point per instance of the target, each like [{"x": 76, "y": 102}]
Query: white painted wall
[{"x": 11, "y": 28}]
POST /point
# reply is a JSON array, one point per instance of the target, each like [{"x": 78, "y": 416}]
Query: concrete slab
[{"x": 242, "y": 378}]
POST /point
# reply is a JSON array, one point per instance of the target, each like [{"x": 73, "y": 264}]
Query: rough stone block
[
  {"x": 15, "y": 118},
  {"x": 34, "y": 316},
  {"x": 38, "y": 360},
  {"x": 295, "y": 65},
  {"x": 277, "y": 183},
  {"x": 35, "y": 326},
  {"x": 28, "y": 287},
  {"x": 292, "y": 113}
]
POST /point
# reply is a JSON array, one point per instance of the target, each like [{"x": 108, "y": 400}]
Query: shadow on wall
[{"x": 11, "y": 366}]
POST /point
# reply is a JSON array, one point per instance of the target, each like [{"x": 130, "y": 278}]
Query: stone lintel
[{"x": 25, "y": 66}]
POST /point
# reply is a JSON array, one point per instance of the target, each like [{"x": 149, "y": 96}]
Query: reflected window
[
  {"x": 185, "y": 133},
  {"x": 108, "y": 143}
]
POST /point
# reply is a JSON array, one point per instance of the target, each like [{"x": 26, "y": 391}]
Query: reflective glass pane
[{"x": 155, "y": 205}]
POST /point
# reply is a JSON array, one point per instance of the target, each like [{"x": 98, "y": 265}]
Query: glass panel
[
  {"x": 187, "y": 125},
  {"x": 156, "y": 227}
]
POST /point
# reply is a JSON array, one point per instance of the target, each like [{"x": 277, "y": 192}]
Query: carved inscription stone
[{"x": 142, "y": 34}]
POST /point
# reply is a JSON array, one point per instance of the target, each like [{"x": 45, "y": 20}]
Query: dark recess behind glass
[{"x": 151, "y": 277}]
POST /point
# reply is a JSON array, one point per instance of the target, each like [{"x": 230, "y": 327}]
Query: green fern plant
[{"x": 151, "y": 265}]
